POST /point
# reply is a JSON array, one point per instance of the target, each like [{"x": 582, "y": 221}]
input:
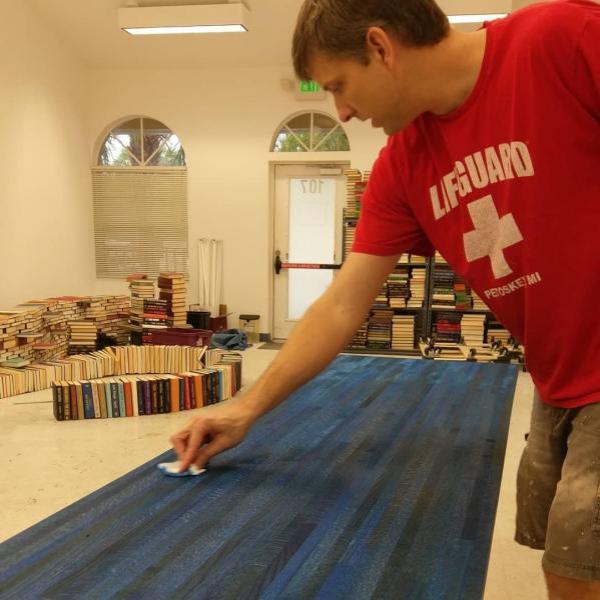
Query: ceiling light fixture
[
  {"x": 475, "y": 18},
  {"x": 165, "y": 20}
]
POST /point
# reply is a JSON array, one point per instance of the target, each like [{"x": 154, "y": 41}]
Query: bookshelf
[
  {"x": 421, "y": 299},
  {"x": 398, "y": 317},
  {"x": 450, "y": 298}
]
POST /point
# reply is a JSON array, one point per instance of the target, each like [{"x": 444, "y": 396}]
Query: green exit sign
[{"x": 307, "y": 87}]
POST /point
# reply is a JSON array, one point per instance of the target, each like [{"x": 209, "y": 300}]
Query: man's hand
[{"x": 215, "y": 429}]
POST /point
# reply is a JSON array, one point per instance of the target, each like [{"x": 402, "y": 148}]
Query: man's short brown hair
[{"x": 339, "y": 27}]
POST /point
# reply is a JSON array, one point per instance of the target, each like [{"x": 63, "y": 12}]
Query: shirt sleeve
[
  {"x": 588, "y": 63},
  {"x": 387, "y": 225}
]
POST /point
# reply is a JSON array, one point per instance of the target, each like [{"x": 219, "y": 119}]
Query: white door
[{"x": 308, "y": 225}]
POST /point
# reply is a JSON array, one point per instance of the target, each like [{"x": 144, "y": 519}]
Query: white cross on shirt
[{"x": 491, "y": 236}]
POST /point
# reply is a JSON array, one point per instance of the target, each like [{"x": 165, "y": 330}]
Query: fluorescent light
[
  {"x": 189, "y": 29},
  {"x": 165, "y": 20},
  {"x": 475, "y": 18}
]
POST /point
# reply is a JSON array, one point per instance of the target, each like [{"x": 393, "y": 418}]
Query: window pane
[
  {"x": 155, "y": 133},
  {"x": 130, "y": 136},
  {"x": 300, "y": 125},
  {"x": 324, "y": 122},
  {"x": 336, "y": 142},
  {"x": 114, "y": 154},
  {"x": 300, "y": 122},
  {"x": 170, "y": 154},
  {"x": 312, "y": 240},
  {"x": 287, "y": 142}
]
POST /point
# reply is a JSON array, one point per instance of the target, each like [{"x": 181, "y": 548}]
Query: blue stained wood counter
[{"x": 378, "y": 479}]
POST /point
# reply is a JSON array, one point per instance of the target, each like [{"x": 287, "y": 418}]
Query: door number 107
[{"x": 312, "y": 186}]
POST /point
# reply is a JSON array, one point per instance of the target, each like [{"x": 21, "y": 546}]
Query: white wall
[
  {"x": 225, "y": 121},
  {"x": 46, "y": 243}
]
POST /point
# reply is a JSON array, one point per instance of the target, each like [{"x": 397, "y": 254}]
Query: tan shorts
[{"x": 558, "y": 489}]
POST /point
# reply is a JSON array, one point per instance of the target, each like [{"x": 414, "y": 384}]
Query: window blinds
[{"x": 140, "y": 221}]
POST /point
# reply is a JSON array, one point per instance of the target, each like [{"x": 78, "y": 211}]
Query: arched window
[
  {"x": 310, "y": 132},
  {"x": 140, "y": 200},
  {"x": 141, "y": 143}
]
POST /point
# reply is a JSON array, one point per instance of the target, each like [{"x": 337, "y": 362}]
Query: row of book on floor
[
  {"x": 138, "y": 395},
  {"x": 111, "y": 361}
]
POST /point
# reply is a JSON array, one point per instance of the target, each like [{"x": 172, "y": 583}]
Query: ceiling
[{"x": 89, "y": 28}]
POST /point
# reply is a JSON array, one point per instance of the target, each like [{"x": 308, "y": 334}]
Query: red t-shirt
[{"x": 507, "y": 188}]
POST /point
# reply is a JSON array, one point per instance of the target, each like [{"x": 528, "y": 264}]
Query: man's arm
[{"x": 320, "y": 335}]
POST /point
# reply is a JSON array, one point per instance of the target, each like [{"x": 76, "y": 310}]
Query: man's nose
[{"x": 345, "y": 112}]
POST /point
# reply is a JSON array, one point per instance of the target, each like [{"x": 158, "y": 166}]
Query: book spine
[
  {"x": 214, "y": 387},
  {"x": 192, "y": 391},
  {"x": 154, "y": 396},
  {"x": 122, "y": 410},
  {"x": 166, "y": 383},
  {"x": 88, "y": 400},
  {"x": 73, "y": 401},
  {"x": 95, "y": 400},
  {"x": 140, "y": 397},
  {"x": 128, "y": 401},
  {"x": 108, "y": 400},
  {"x": 114, "y": 399},
  {"x": 198, "y": 390},
  {"x": 186, "y": 393},
  {"x": 147, "y": 398},
  {"x": 206, "y": 389},
  {"x": 57, "y": 401},
  {"x": 161, "y": 396},
  {"x": 102, "y": 400},
  {"x": 174, "y": 394},
  {"x": 66, "y": 402},
  {"x": 181, "y": 393}
]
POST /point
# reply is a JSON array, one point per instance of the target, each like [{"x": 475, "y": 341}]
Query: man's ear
[{"x": 380, "y": 46}]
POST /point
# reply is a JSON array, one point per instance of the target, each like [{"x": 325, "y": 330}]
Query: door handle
[{"x": 277, "y": 262}]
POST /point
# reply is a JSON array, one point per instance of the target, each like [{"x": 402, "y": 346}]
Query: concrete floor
[{"x": 49, "y": 465}]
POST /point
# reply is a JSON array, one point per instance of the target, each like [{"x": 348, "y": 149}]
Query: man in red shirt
[{"x": 494, "y": 160}]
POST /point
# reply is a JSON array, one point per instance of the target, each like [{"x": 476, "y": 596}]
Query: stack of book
[
  {"x": 443, "y": 289},
  {"x": 173, "y": 289},
  {"x": 415, "y": 259},
  {"x": 381, "y": 300},
  {"x": 156, "y": 314},
  {"x": 497, "y": 332},
  {"x": 462, "y": 295},
  {"x": 349, "y": 235},
  {"x": 9, "y": 327},
  {"x": 24, "y": 334},
  {"x": 417, "y": 288},
  {"x": 446, "y": 327},
  {"x": 398, "y": 287},
  {"x": 478, "y": 303},
  {"x": 379, "y": 333},
  {"x": 59, "y": 312},
  {"x": 83, "y": 337},
  {"x": 439, "y": 259},
  {"x": 141, "y": 288},
  {"x": 15, "y": 363},
  {"x": 110, "y": 314},
  {"x": 353, "y": 193},
  {"x": 472, "y": 329},
  {"x": 403, "y": 332},
  {"x": 359, "y": 339}
]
